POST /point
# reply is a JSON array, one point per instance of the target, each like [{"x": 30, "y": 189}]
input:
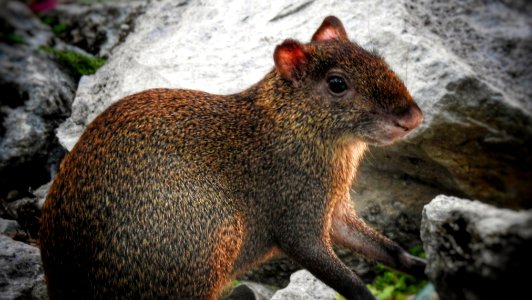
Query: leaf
[
  {"x": 387, "y": 293},
  {"x": 392, "y": 285}
]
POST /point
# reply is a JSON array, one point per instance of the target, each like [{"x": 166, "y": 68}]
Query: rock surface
[
  {"x": 476, "y": 251},
  {"x": 8, "y": 227},
  {"x": 27, "y": 211},
  {"x": 247, "y": 290},
  {"x": 304, "y": 286},
  {"x": 36, "y": 96},
  {"x": 97, "y": 28},
  {"x": 477, "y": 120},
  {"x": 21, "y": 274}
]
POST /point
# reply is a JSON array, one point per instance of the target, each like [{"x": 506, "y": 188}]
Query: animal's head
[{"x": 352, "y": 91}]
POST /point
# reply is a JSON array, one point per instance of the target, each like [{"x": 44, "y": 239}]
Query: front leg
[
  {"x": 319, "y": 259},
  {"x": 352, "y": 232}
]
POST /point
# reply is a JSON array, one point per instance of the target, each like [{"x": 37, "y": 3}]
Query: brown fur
[{"x": 170, "y": 193}]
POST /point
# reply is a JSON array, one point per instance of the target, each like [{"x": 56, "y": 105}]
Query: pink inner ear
[
  {"x": 285, "y": 64},
  {"x": 331, "y": 29},
  {"x": 327, "y": 34},
  {"x": 288, "y": 57}
]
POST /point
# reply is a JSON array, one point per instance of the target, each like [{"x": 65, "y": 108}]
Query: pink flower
[{"x": 41, "y": 5}]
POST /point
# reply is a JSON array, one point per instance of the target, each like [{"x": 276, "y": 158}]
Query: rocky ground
[
  {"x": 476, "y": 251},
  {"x": 465, "y": 63}
]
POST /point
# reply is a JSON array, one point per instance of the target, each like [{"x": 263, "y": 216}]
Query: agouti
[{"x": 169, "y": 194}]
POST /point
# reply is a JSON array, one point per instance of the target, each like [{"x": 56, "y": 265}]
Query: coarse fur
[{"x": 169, "y": 194}]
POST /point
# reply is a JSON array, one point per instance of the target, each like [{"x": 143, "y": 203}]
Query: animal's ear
[
  {"x": 331, "y": 29},
  {"x": 291, "y": 59}
]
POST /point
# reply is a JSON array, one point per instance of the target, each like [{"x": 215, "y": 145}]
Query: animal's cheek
[{"x": 351, "y": 101}]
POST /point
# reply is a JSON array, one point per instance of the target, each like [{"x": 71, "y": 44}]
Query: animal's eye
[{"x": 337, "y": 85}]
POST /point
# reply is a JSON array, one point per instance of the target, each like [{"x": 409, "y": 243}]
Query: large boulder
[
  {"x": 36, "y": 96},
  {"x": 476, "y": 251},
  {"x": 21, "y": 273},
  {"x": 27, "y": 211},
  {"x": 304, "y": 286},
  {"x": 98, "y": 27}
]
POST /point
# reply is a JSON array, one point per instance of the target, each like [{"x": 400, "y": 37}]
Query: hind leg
[{"x": 227, "y": 242}]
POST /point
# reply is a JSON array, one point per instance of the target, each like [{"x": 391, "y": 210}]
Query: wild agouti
[{"x": 171, "y": 193}]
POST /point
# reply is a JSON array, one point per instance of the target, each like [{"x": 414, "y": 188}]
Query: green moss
[
  {"x": 14, "y": 38},
  {"x": 235, "y": 282},
  {"x": 392, "y": 285},
  {"x": 339, "y": 297},
  {"x": 417, "y": 251},
  {"x": 54, "y": 24},
  {"x": 58, "y": 28},
  {"x": 79, "y": 63},
  {"x": 48, "y": 20}
]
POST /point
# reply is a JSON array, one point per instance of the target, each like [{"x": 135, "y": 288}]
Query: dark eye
[{"x": 337, "y": 85}]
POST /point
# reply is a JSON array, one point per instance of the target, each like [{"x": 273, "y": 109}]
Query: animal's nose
[{"x": 409, "y": 118}]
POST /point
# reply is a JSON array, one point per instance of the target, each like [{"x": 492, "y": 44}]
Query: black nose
[{"x": 410, "y": 118}]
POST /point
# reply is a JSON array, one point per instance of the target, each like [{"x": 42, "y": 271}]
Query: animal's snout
[{"x": 410, "y": 118}]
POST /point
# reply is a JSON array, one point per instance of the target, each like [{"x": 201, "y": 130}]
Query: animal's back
[{"x": 141, "y": 204}]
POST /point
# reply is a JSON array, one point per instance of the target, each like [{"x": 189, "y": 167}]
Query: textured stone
[
  {"x": 21, "y": 273},
  {"x": 304, "y": 286},
  {"x": 40, "y": 194},
  {"x": 8, "y": 227},
  {"x": 27, "y": 211},
  {"x": 36, "y": 96},
  {"x": 96, "y": 28},
  {"x": 247, "y": 290},
  {"x": 476, "y": 251}
]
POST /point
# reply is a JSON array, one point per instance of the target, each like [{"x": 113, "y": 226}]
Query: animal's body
[{"x": 169, "y": 194}]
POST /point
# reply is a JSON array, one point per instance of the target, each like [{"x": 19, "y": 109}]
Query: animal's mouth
[
  {"x": 386, "y": 135},
  {"x": 392, "y": 127}
]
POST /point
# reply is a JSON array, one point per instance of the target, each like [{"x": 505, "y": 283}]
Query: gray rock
[
  {"x": 36, "y": 97},
  {"x": 21, "y": 273},
  {"x": 476, "y": 251},
  {"x": 40, "y": 194},
  {"x": 304, "y": 286},
  {"x": 97, "y": 28},
  {"x": 18, "y": 19},
  {"x": 428, "y": 292},
  {"x": 8, "y": 227},
  {"x": 263, "y": 292},
  {"x": 27, "y": 211},
  {"x": 247, "y": 290}
]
